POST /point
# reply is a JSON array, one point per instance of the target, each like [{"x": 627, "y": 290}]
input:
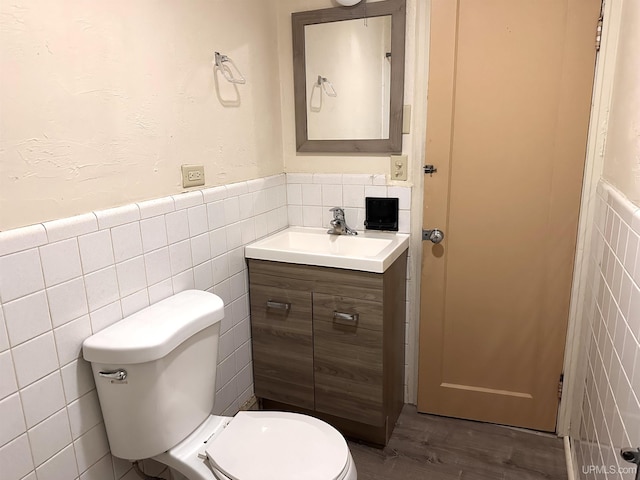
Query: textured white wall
[
  {"x": 101, "y": 102},
  {"x": 622, "y": 154}
]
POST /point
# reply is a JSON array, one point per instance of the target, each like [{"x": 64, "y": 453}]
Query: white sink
[{"x": 368, "y": 251}]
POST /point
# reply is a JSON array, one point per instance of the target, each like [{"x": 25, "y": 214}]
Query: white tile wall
[
  {"x": 64, "y": 280},
  {"x": 610, "y": 410},
  {"x": 310, "y": 196}
]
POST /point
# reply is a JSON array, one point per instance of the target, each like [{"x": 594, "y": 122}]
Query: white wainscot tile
[
  {"x": 299, "y": 177},
  {"x": 272, "y": 198},
  {"x": 114, "y": 217},
  {"x": 157, "y": 265},
  {"x": 356, "y": 179},
  {"x": 226, "y": 346},
  {"x": 225, "y": 397},
  {"x": 189, "y": 199},
  {"x": 403, "y": 194},
  {"x": 200, "y": 249},
  {"x": 35, "y": 359},
  {"x": 27, "y": 317},
  {"x": 294, "y": 216},
  {"x": 214, "y": 194},
  {"x": 243, "y": 356},
  {"x": 42, "y": 399},
  {"x": 131, "y": 276},
  {"x": 180, "y": 256},
  {"x": 122, "y": 469},
  {"x": 18, "y": 239},
  {"x": 20, "y": 274},
  {"x": 379, "y": 179},
  {"x": 224, "y": 292},
  {"x": 102, "y": 288},
  {"x": 203, "y": 276},
  {"x": 247, "y": 231},
  {"x": 261, "y": 202},
  {"x": 69, "y": 338},
  {"x": 77, "y": 379},
  {"x": 61, "y": 466},
  {"x": 60, "y": 261},
  {"x": 71, "y": 227},
  {"x": 236, "y": 260},
  {"x": 232, "y": 210},
  {"x": 404, "y": 221},
  {"x": 312, "y": 216},
  {"x": 327, "y": 178},
  {"x": 240, "y": 311},
  {"x": 216, "y": 215},
  {"x": 235, "y": 189},
  {"x": 311, "y": 194},
  {"x": 261, "y": 224},
  {"x": 220, "y": 268},
  {"x": 256, "y": 184},
  {"x": 84, "y": 414},
  {"x": 238, "y": 285},
  {"x": 234, "y": 235},
  {"x": 353, "y": 196},
  {"x": 15, "y": 459},
  {"x": 177, "y": 226},
  {"x": 91, "y": 447},
  {"x": 67, "y": 301},
  {"x": 106, "y": 316},
  {"x": 242, "y": 332},
  {"x": 226, "y": 371},
  {"x": 244, "y": 378},
  {"x": 294, "y": 194},
  {"x": 153, "y": 208},
  {"x": 134, "y": 303},
  {"x": 154, "y": 233},
  {"x": 96, "y": 251},
  {"x": 332, "y": 196},
  {"x": 275, "y": 180},
  {"x": 50, "y": 436},
  {"x": 226, "y": 324},
  {"x": 4, "y": 337},
  {"x": 197, "y": 217},
  {"x": 375, "y": 191},
  {"x": 101, "y": 470},
  {"x": 218, "y": 242},
  {"x": 183, "y": 281},
  {"x": 11, "y": 419},
  {"x": 127, "y": 241},
  {"x": 246, "y": 205},
  {"x": 8, "y": 383},
  {"x": 160, "y": 291}
]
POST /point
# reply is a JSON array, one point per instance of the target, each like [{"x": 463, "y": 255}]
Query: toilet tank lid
[{"x": 155, "y": 331}]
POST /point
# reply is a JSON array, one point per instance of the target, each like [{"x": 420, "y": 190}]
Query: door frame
[{"x": 574, "y": 371}]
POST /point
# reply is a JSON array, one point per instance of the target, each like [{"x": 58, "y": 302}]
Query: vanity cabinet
[{"x": 330, "y": 343}]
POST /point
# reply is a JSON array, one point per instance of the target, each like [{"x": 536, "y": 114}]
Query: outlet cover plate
[{"x": 192, "y": 175}]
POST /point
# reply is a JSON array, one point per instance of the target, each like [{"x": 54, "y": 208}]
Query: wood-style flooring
[{"x": 427, "y": 447}]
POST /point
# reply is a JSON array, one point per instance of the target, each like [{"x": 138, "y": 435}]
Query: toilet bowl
[{"x": 155, "y": 376}]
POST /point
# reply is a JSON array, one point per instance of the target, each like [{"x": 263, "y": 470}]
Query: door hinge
[
  {"x": 560, "y": 386},
  {"x": 599, "y": 27}
]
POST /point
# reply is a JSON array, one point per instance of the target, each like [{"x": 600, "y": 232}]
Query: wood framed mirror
[{"x": 348, "y": 69}]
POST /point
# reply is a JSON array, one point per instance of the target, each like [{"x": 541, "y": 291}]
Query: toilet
[{"x": 155, "y": 376}]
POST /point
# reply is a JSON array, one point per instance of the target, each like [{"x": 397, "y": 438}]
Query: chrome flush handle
[{"x": 119, "y": 374}]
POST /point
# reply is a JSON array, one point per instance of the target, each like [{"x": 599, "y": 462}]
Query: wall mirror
[{"x": 348, "y": 69}]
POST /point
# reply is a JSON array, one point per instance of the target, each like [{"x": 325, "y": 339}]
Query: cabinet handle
[
  {"x": 350, "y": 319},
  {"x": 278, "y": 305}
]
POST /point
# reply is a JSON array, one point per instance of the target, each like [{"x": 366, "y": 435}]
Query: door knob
[{"x": 434, "y": 235}]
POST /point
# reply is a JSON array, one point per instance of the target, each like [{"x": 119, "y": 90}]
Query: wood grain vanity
[{"x": 330, "y": 342}]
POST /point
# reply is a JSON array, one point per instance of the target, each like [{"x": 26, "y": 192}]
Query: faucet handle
[{"x": 337, "y": 211}]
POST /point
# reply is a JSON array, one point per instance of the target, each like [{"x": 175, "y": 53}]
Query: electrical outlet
[
  {"x": 192, "y": 175},
  {"x": 399, "y": 167}
]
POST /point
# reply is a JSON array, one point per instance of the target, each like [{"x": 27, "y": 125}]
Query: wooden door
[{"x": 508, "y": 110}]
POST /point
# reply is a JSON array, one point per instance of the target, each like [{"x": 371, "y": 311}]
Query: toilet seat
[{"x": 298, "y": 445}]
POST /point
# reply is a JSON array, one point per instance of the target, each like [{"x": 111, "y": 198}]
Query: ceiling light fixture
[{"x": 348, "y": 3}]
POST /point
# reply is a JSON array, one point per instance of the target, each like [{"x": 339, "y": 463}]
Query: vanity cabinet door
[
  {"x": 282, "y": 339},
  {"x": 348, "y": 358}
]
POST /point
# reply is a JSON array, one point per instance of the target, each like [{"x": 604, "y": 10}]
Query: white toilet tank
[{"x": 155, "y": 372}]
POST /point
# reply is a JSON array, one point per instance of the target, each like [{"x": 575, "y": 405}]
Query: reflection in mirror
[
  {"x": 352, "y": 57},
  {"x": 348, "y": 68}
]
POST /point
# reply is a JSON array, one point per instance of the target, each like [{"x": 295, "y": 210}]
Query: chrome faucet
[{"x": 339, "y": 224}]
